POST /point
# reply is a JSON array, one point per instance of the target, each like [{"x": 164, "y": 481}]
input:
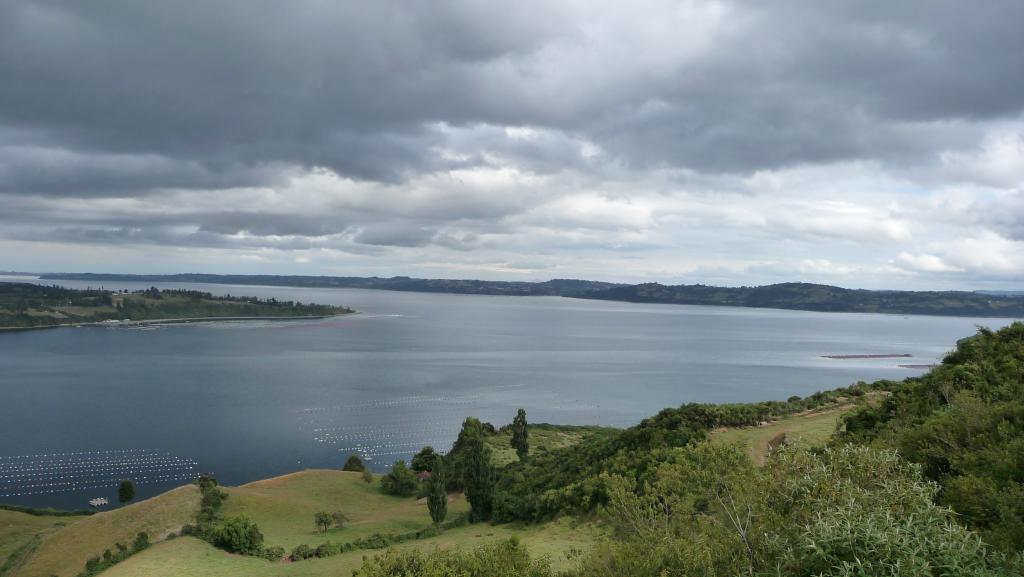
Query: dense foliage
[
  {"x": 570, "y": 479},
  {"x": 354, "y": 463},
  {"x": 850, "y": 511},
  {"x": 424, "y": 460},
  {"x": 964, "y": 424},
  {"x": 477, "y": 470},
  {"x": 400, "y": 481}
]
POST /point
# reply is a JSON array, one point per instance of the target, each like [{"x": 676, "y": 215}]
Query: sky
[{"x": 871, "y": 144}]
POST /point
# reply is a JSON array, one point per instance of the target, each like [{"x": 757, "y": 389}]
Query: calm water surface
[{"x": 81, "y": 408}]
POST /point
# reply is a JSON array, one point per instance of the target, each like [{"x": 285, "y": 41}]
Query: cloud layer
[{"x": 874, "y": 144}]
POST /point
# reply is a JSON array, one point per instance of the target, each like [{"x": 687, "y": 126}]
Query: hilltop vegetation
[
  {"x": 24, "y": 305},
  {"x": 794, "y": 295}
]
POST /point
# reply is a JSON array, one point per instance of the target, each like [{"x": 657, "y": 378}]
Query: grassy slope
[
  {"x": 811, "y": 428},
  {"x": 65, "y": 551},
  {"x": 283, "y": 508},
  {"x": 559, "y": 540},
  {"x": 542, "y": 437},
  {"x": 17, "y": 530}
]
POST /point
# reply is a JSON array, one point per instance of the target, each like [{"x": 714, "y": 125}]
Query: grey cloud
[
  {"x": 354, "y": 86},
  {"x": 463, "y": 126}
]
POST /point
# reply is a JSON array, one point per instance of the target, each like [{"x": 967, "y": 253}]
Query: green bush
[
  {"x": 401, "y": 481},
  {"x": 238, "y": 535}
]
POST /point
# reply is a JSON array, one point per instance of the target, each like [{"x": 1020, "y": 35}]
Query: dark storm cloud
[
  {"x": 214, "y": 86},
  {"x": 530, "y": 126}
]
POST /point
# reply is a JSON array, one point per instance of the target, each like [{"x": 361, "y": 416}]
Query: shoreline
[{"x": 172, "y": 321}]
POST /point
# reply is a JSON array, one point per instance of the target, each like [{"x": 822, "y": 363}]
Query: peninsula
[{"x": 26, "y": 305}]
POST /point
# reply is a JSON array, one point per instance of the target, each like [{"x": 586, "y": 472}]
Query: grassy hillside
[
  {"x": 283, "y": 507},
  {"x": 562, "y": 541},
  {"x": 64, "y": 552},
  {"x": 20, "y": 533}
]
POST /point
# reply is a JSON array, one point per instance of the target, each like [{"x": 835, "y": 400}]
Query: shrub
[
  {"x": 273, "y": 553},
  {"x": 239, "y": 535},
  {"x": 301, "y": 552},
  {"x": 400, "y": 481}
]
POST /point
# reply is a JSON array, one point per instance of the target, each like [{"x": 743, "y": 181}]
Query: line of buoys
[{"x": 59, "y": 472}]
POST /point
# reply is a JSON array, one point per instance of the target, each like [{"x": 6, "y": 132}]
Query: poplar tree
[
  {"x": 437, "y": 498},
  {"x": 520, "y": 435}
]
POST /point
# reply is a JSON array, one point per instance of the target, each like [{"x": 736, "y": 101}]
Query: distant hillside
[
  {"x": 555, "y": 287},
  {"x": 825, "y": 298},
  {"x": 795, "y": 296}
]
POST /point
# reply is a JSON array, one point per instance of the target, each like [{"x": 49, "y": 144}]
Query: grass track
[{"x": 813, "y": 428}]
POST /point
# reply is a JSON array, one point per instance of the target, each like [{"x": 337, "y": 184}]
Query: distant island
[
  {"x": 25, "y": 306},
  {"x": 794, "y": 296}
]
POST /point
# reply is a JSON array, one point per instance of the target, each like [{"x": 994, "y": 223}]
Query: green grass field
[
  {"x": 20, "y": 531},
  {"x": 283, "y": 508},
  {"x": 813, "y": 428},
  {"x": 63, "y": 552},
  {"x": 561, "y": 541},
  {"x": 542, "y": 437}
]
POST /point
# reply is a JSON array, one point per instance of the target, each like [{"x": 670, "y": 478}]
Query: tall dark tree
[
  {"x": 520, "y": 435},
  {"x": 125, "y": 491},
  {"x": 424, "y": 460},
  {"x": 354, "y": 463},
  {"x": 477, "y": 470},
  {"x": 437, "y": 496}
]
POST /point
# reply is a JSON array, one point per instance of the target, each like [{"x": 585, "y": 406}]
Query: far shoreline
[{"x": 189, "y": 320}]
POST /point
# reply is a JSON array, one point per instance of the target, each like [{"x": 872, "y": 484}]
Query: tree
[
  {"x": 424, "y": 460},
  {"x": 437, "y": 496},
  {"x": 354, "y": 463},
  {"x": 477, "y": 470},
  {"x": 323, "y": 521},
  {"x": 367, "y": 476},
  {"x": 238, "y": 535},
  {"x": 126, "y": 491},
  {"x": 400, "y": 481},
  {"x": 520, "y": 435}
]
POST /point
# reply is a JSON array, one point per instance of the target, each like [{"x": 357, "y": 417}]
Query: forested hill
[
  {"x": 795, "y": 296},
  {"x": 554, "y": 287},
  {"x": 825, "y": 298}
]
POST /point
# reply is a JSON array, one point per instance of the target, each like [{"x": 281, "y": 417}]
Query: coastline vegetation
[{"x": 25, "y": 305}]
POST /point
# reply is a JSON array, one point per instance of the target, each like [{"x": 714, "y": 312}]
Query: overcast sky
[{"x": 865, "y": 144}]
